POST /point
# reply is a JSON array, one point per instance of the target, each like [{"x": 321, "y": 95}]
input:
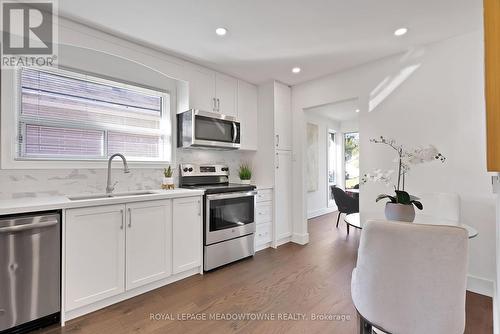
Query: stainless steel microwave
[{"x": 202, "y": 129}]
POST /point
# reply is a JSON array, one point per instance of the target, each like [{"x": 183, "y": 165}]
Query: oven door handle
[{"x": 231, "y": 195}]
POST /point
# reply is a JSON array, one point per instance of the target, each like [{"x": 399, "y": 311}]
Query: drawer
[
  {"x": 264, "y": 195},
  {"x": 263, "y": 234},
  {"x": 264, "y": 212}
]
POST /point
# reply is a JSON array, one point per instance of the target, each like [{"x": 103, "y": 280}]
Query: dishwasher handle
[{"x": 31, "y": 226}]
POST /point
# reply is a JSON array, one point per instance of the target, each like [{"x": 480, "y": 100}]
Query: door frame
[{"x": 331, "y": 204}]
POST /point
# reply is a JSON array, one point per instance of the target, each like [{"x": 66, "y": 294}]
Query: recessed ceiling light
[
  {"x": 296, "y": 70},
  {"x": 221, "y": 31},
  {"x": 357, "y": 110},
  {"x": 400, "y": 31}
]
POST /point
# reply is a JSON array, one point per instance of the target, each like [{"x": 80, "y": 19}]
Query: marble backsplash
[{"x": 54, "y": 182}]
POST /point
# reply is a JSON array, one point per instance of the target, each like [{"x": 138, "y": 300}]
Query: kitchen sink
[{"x": 100, "y": 196}]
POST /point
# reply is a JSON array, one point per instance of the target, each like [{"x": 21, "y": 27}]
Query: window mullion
[{"x": 105, "y": 147}]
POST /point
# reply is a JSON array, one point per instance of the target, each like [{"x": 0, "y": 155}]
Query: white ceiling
[
  {"x": 340, "y": 111},
  {"x": 268, "y": 37}
]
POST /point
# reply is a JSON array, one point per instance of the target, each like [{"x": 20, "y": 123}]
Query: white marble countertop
[{"x": 33, "y": 204}]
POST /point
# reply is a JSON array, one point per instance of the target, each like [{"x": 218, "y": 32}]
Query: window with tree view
[
  {"x": 351, "y": 155},
  {"x": 69, "y": 116}
]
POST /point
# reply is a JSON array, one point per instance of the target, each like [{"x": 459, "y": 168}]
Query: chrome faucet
[{"x": 109, "y": 187}]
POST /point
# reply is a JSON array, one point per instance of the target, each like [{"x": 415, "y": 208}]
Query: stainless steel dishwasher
[{"x": 30, "y": 262}]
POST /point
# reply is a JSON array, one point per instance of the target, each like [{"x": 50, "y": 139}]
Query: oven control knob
[
  {"x": 185, "y": 169},
  {"x": 190, "y": 169}
]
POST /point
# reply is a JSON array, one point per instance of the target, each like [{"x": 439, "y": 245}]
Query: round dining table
[{"x": 354, "y": 220}]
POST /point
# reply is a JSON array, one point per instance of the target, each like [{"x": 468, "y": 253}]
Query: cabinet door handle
[
  {"x": 218, "y": 105},
  {"x": 277, "y": 160},
  {"x": 121, "y": 225},
  {"x": 199, "y": 208},
  {"x": 214, "y": 104},
  {"x": 129, "y": 217},
  {"x": 277, "y": 140}
]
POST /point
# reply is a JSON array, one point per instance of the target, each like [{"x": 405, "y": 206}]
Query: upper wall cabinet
[
  {"x": 247, "y": 115},
  {"x": 212, "y": 91},
  {"x": 201, "y": 88},
  {"x": 492, "y": 86},
  {"x": 282, "y": 117},
  {"x": 226, "y": 94}
]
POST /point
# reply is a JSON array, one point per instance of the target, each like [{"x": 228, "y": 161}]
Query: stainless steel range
[{"x": 229, "y": 213}]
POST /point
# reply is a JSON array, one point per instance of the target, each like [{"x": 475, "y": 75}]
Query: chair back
[
  {"x": 345, "y": 203},
  {"x": 411, "y": 278},
  {"x": 441, "y": 208}
]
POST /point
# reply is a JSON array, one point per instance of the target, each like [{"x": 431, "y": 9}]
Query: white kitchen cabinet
[
  {"x": 201, "y": 89},
  {"x": 273, "y": 158},
  {"x": 148, "y": 240},
  {"x": 187, "y": 231},
  {"x": 283, "y": 194},
  {"x": 94, "y": 254},
  {"x": 212, "y": 91},
  {"x": 226, "y": 92},
  {"x": 282, "y": 116},
  {"x": 264, "y": 219},
  {"x": 247, "y": 115}
]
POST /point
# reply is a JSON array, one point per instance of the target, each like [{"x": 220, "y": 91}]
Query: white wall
[
  {"x": 349, "y": 126},
  {"x": 317, "y": 201},
  {"x": 430, "y": 95}
]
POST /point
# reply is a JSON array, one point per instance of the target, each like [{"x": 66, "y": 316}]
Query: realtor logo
[{"x": 28, "y": 33}]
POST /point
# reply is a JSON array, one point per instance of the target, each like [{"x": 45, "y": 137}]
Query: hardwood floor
[{"x": 311, "y": 280}]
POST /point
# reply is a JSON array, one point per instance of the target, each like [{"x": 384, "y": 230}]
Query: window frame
[
  {"x": 330, "y": 202},
  {"x": 344, "y": 161},
  {"x": 10, "y": 121}
]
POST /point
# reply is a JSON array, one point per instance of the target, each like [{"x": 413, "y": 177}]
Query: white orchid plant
[{"x": 405, "y": 159}]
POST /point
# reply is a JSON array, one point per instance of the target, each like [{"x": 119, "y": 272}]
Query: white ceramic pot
[
  {"x": 245, "y": 181},
  {"x": 168, "y": 180},
  {"x": 400, "y": 212}
]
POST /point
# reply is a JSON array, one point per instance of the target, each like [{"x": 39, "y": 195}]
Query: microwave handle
[{"x": 235, "y": 132}]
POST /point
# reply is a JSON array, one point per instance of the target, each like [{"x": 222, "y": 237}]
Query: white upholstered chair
[
  {"x": 411, "y": 278},
  {"x": 439, "y": 207}
]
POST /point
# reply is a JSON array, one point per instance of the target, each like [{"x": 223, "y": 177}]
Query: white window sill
[{"x": 78, "y": 164}]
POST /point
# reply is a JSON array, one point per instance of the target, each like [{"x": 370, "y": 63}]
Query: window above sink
[{"x": 65, "y": 115}]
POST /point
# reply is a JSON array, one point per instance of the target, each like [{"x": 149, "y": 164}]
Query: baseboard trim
[
  {"x": 496, "y": 325},
  {"x": 301, "y": 239},
  {"x": 320, "y": 212},
  {"x": 263, "y": 246},
  {"x": 480, "y": 285},
  {"x": 283, "y": 240}
]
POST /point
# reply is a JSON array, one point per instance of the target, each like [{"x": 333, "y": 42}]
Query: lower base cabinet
[
  {"x": 187, "y": 233},
  {"x": 95, "y": 254},
  {"x": 111, "y": 249},
  {"x": 148, "y": 235}
]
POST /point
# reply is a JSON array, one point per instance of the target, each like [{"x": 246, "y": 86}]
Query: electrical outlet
[{"x": 495, "y": 183}]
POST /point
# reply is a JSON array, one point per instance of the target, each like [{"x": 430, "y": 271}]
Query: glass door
[
  {"x": 332, "y": 166},
  {"x": 351, "y": 160}
]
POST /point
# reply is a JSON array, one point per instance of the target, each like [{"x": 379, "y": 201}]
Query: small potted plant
[
  {"x": 245, "y": 173},
  {"x": 401, "y": 207},
  {"x": 168, "y": 180}
]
